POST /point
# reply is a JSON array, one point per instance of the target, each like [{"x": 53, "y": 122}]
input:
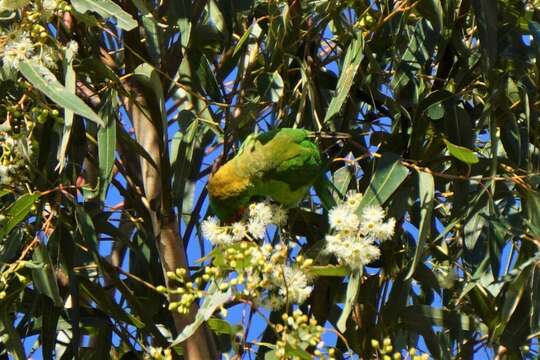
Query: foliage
[{"x": 114, "y": 113}]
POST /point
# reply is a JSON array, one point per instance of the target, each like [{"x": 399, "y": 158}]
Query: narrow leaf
[
  {"x": 329, "y": 270},
  {"x": 486, "y": 15},
  {"x": 8, "y": 332},
  {"x": 70, "y": 77},
  {"x": 350, "y": 299},
  {"x": 106, "y": 9},
  {"x": 426, "y": 189},
  {"x": 107, "y": 144},
  {"x": 45, "y": 81},
  {"x": 355, "y": 54},
  {"x": 18, "y": 211},
  {"x": 389, "y": 175},
  {"x": 44, "y": 277},
  {"x": 461, "y": 153}
]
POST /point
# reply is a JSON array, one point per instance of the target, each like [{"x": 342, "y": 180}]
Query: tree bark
[{"x": 164, "y": 224}]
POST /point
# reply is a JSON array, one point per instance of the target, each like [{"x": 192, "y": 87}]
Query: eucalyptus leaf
[
  {"x": 44, "y": 277},
  {"x": 18, "y": 211},
  {"x": 351, "y": 63},
  {"x": 45, "y": 81},
  {"x": 461, "y": 153},
  {"x": 389, "y": 175},
  {"x": 353, "y": 287},
  {"x": 106, "y": 9},
  {"x": 426, "y": 194}
]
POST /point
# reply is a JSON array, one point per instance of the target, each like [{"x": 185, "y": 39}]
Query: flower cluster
[
  {"x": 260, "y": 274},
  {"x": 252, "y": 227},
  {"x": 187, "y": 291},
  {"x": 299, "y": 333},
  {"x": 281, "y": 283},
  {"x": 158, "y": 353},
  {"x": 385, "y": 351},
  {"x": 263, "y": 275},
  {"x": 18, "y": 49},
  {"x": 354, "y": 237},
  {"x": 29, "y": 39},
  {"x": 15, "y": 153}
]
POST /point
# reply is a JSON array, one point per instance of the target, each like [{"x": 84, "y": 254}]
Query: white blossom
[
  {"x": 239, "y": 231},
  {"x": 48, "y": 58},
  {"x": 354, "y": 239},
  {"x": 372, "y": 214},
  {"x": 261, "y": 212},
  {"x": 292, "y": 283},
  {"x": 215, "y": 233},
  {"x": 354, "y": 252},
  {"x": 353, "y": 200},
  {"x": 50, "y": 5},
  {"x": 341, "y": 217},
  {"x": 17, "y": 50},
  {"x": 6, "y": 177},
  {"x": 257, "y": 229},
  {"x": 385, "y": 231},
  {"x": 72, "y": 46}
]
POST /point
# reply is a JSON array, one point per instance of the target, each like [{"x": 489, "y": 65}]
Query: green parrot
[{"x": 280, "y": 164}]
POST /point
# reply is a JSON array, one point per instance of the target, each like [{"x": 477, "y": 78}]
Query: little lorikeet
[{"x": 280, "y": 164}]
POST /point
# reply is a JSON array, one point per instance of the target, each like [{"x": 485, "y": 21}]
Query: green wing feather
[{"x": 281, "y": 164}]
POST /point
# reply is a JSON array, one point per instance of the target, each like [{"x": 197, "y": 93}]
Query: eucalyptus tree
[{"x": 421, "y": 233}]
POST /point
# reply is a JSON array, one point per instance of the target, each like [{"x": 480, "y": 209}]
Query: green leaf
[
  {"x": 151, "y": 30},
  {"x": 11, "y": 245},
  {"x": 440, "y": 317},
  {"x": 486, "y": 16},
  {"x": 106, "y": 303},
  {"x": 461, "y": 153},
  {"x": 220, "y": 326},
  {"x": 435, "y": 111},
  {"x": 532, "y": 205},
  {"x": 389, "y": 175},
  {"x": 44, "y": 277},
  {"x": 534, "y": 28},
  {"x": 106, "y": 9},
  {"x": 8, "y": 332},
  {"x": 350, "y": 299},
  {"x": 147, "y": 74},
  {"x": 18, "y": 211},
  {"x": 426, "y": 192},
  {"x": 432, "y": 10},
  {"x": 45, "y": 81},
  {"x": 535, "y": 300},
  {"x": 4, "y": 192},
  {"x": 107, "y": 143},
  {"x": 474, "y": 225},
  {"x": 70, "y": 76},
  {"x": 216, "y": 16},
  {"x": 50, "y": 316},
  {"x": 513, "y": 295},
  {"x": 270, "y": 86},
  {"x": 212, "y": 301},
  {"x": 351, "y": 63},
  {"x": 510, "y": 137},
  {"x": 297, "y": 352},
  {"x": 329, "y": 270},
  {"x": 342, "y": 179},
  {"x": 88, "y": 231}
]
